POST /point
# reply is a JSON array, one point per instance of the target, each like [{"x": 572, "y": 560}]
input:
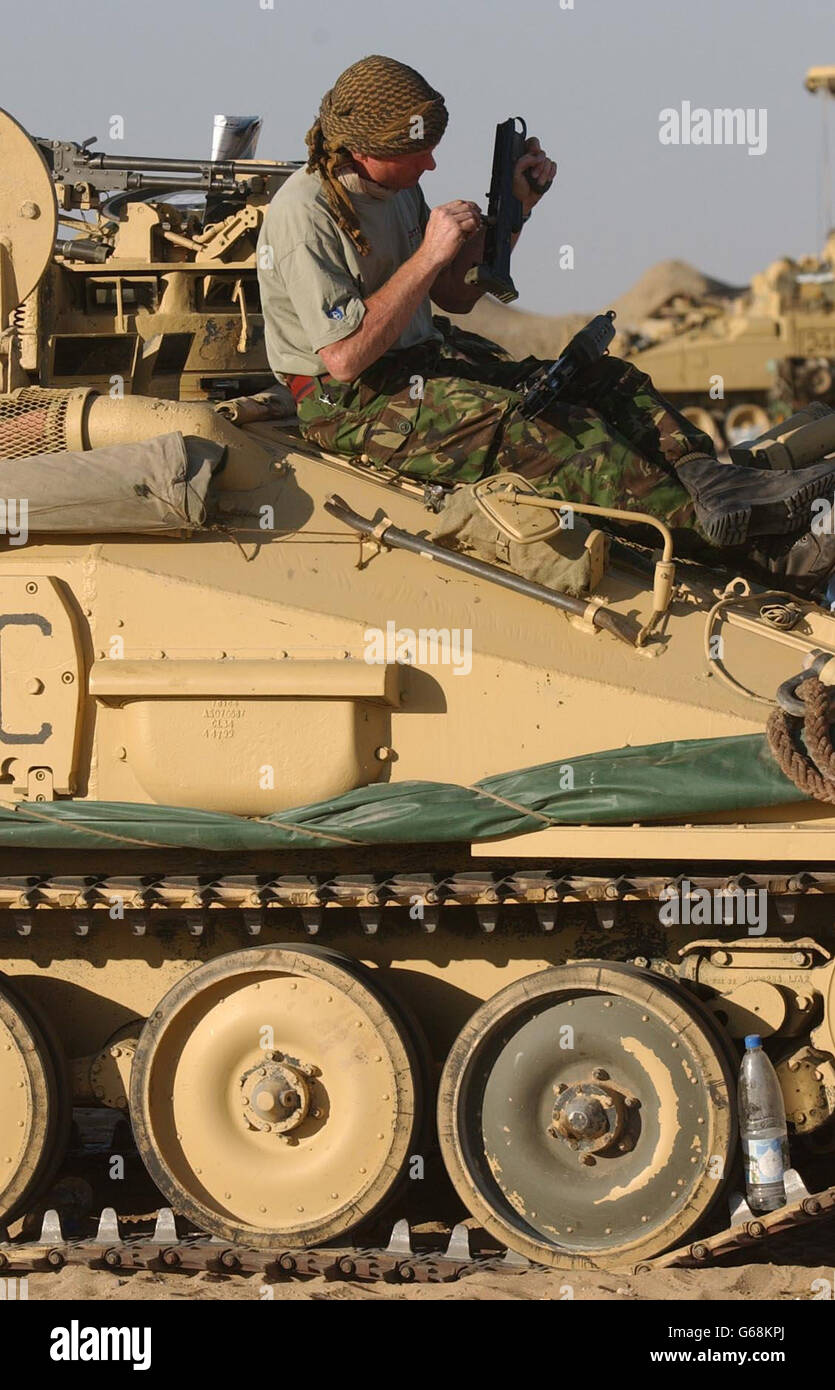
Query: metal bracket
[{"x": 40, "y": 785}]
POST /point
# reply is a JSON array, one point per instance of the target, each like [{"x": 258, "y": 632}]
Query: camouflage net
[{"x": 33, "y": 421}]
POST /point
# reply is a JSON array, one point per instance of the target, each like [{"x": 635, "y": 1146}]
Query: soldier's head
[{"x": 385, "y": 117}]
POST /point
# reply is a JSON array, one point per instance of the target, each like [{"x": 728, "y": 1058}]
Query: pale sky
[{"x": 591, "y": 81}]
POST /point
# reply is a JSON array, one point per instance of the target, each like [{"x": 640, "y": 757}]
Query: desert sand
[{"x": 768, "y": 1281}]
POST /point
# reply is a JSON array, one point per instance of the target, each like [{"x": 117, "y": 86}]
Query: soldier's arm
[
  {"x": 387, "y": 312},
  {"x": 450, "y": 290},
  {"x": 389, "y": 309}
]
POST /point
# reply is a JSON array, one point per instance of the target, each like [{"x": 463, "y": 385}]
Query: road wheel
[
  {"x": 34, "y": 1104},
  {"x": 276, "y": 1096},
  {"x": 746, "y": 421},
  {"x": 586, "y": 1115},
  {"x": 704, "y": 421}
]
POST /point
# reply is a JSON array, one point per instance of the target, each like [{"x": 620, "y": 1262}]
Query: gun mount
[{"x": 150, "y": 286}]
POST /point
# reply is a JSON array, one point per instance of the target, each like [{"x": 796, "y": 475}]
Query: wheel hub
[
  {"x": 275, "y": 1096},
  {"x": 588, "y": 1117}
]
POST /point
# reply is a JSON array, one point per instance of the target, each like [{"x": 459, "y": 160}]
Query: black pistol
[
  {"x": 504, "y": 212},
  {"x": 589, "y": 344}
]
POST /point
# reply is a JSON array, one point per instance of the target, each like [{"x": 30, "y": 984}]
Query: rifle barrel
[{"x": 207, "y": 168}]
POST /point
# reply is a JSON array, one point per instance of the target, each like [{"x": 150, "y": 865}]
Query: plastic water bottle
[{"x": 762, "y": 1125}]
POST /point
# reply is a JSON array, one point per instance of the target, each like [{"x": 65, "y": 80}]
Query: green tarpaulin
[{"x": 656, "y": 782}]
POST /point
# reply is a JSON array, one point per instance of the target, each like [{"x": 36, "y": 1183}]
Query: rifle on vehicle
[
  {"x": 504, "y": 212},
  {"x": 587, "y": 346}
]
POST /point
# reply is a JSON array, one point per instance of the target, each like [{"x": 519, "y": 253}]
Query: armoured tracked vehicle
[
  {"x": 772, "y": 346},
  {"x": 330, "y": 803}
]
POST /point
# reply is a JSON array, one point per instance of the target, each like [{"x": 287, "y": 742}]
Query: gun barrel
[
  {"x": 70, "y": 163},
  {"x": 206, "y": 168}
]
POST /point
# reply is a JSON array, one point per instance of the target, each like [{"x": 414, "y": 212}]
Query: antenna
[{"x": 821, "y": 81}]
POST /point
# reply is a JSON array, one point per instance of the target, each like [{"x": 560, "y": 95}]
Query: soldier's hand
[
  {"x": 448, "y": 228},
  {"x": 542, "y": 170}
]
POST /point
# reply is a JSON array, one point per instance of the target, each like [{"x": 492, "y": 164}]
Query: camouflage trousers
[{"x": 447, "y": 411}]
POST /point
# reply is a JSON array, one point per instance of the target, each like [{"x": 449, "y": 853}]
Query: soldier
[{"x": 350, "y": 256}]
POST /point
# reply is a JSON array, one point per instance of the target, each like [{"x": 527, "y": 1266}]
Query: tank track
[
  {"x": 812, "y": 1207},
  {"x": 164, "y": 1250},
  {"x": 260, "y": 899},
  {"x": 399, "y": 1262},
  {"x": 31, "y": 901}
]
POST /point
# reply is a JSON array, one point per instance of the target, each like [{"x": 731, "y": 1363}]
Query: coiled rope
[{"x": 812, "y": 770}]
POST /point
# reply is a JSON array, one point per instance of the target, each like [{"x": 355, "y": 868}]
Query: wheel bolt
[
  {"x": 600, "y": 1075},
  {"x": 588, "y": 1160}
]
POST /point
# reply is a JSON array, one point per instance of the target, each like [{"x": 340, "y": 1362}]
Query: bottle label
[{"x": 766, "y": 1160}]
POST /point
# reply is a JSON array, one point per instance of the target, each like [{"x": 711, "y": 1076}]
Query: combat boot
[{"x": 734, "y": 503}]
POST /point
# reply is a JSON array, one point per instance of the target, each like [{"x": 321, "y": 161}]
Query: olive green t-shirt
[{"x": 312, "y": 278}]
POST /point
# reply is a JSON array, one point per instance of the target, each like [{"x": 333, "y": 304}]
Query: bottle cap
[{"x": 753, "y": 1040}]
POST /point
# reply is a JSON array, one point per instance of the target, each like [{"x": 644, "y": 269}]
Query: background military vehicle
[
  {"x": 771, "y": 347},
  {"x": 330, "y": 803}
]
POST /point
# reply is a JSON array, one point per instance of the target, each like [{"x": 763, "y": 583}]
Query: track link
[
  {"x": 30, "y": 902},
  {"x": 165, "y": 1251},
  {"x": 813, "y": 1207},
  {"x": 398, "y": 1262}
]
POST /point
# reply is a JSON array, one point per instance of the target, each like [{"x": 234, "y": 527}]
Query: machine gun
[
  {"x": 80, "y": 169},
  {"x": 504, "y": 212},
  {"x": 587, "y": 346},
  {"x": 226, "y": 189},
  {"x": 143, "y": 269}
]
